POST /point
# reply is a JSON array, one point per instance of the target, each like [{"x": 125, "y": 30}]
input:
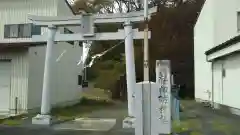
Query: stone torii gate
[{"x": 87, "y": 33}]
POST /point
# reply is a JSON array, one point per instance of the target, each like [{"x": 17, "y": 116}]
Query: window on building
[
  {"x": 13, "y": 31},
  {"x": 25, "y": 30},
  {"x": 21, "y": 30},
  {"x": 6, "y": 31},
  {"x": 238, "y": 21},
  {"x": 36, "y": 30}
]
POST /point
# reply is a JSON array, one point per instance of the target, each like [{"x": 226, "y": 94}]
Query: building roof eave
[
  {"x": 224, "y": 45},
  {"x": 20, "y": 44}
]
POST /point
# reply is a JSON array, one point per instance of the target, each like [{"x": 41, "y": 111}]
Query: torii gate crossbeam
[
  {"x": 98, "y": 36},
  {"x": 98, "y": 18}
]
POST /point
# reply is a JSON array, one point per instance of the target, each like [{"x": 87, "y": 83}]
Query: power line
[{"x": 104, "y": 52}]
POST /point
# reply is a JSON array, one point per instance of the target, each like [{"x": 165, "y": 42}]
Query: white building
[
  {"x": 216, "y": 53},
  {"x": 22, "y": 61}
]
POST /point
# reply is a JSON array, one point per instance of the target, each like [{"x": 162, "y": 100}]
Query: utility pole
[
  {"x": 146, "y": 45},
  {"x": 147, "y": 86}
]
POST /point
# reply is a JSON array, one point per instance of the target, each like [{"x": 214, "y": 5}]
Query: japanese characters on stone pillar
[{"x": 161, "y": 100}]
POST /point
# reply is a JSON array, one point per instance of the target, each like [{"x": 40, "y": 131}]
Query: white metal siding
[
  {"x": 231, "y": 81},
  {"x": 203, "y": 40},
  {"x": 63, "y": 9},
  {"x": 225, "y": 16},
  {"x": 36, "y": 70},
  {"x": 16, "y": 11},
  {"x": 64, "y": 87},
  {"x": 19, "y": 78},
  {"x": 66, "y": 73}
]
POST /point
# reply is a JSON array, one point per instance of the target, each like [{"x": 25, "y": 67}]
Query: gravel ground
[{"x": 199, "y": 120}]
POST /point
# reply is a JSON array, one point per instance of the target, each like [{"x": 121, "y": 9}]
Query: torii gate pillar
[
  {"x": 45, "y": 118},
  {"x": 130, "y": 68}
]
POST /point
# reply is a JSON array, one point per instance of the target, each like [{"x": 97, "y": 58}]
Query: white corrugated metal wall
[
  {"x": 63, "y": 9},
  {"x": 19, "y": 78},
  {"x": 65, "y": 74},
  {"x": 68, "y": 64},
  {"x": 35, "y": 80},
  {"x": 16, "y": 11},
  {"x": 64, "y": 83}
]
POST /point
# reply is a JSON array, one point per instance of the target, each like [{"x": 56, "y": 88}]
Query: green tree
[{"x": 90, "y": 6}]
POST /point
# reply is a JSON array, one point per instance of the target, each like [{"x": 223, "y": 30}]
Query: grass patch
[
  {"x": 222, "y": 127},
  {"x": 179, "y": 127},
  {"x": 186, "y": 125},
  {"x": 96, "y": 94},
  {"x": 11, "y": 122},
  {"x": 196, "y": 133},
  {"x": 14, "y": 120}
]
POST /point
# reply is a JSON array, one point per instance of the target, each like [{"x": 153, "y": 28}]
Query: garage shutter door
[{"x": 5, "y": 72}]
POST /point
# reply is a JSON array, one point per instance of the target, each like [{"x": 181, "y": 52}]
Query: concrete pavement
[{"x": 195, "y": 120}]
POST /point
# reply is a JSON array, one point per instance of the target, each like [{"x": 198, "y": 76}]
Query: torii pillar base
[
  {"x": 129, "y": 122},
  {"x": 42, "y": 120}
]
